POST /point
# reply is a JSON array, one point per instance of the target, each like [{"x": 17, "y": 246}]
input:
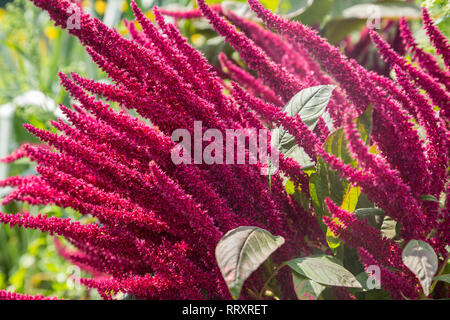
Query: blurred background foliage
[{"x": 33, "y": 51}]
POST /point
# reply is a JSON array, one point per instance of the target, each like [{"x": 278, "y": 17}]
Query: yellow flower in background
[
  {"x": 149, "y": 14},
  {"x": 122, "y": 29},
  {"x": 137, "y": 25},
  {"x": 51, "y": 32},
  {"x": 86, "y": 3},
  {"x": 100, "y": 6},
  {"x": 198, "y": 39},
  {"x": 2, "y": 13},
  {"x": 125, "y": 6}
]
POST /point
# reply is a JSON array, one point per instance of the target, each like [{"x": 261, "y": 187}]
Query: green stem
[
  {"x": 275, "y": 272},
  {"x": 439, "y": 272},
  {"x": 252, "y": 293}
]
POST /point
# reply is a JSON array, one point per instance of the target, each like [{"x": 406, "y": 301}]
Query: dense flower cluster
[
  {"x": 157, "y": 223},
  {"x": 4, "y": 295}
]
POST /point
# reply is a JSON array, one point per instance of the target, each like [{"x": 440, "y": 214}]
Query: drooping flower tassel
[
  {"x": 5, "y": 295},
  {"x": 439, "y": 96},
  {"x": 274, "y": 75},
  {"x": 426, "y": 60},
  {"x": 437, "y": 38}
]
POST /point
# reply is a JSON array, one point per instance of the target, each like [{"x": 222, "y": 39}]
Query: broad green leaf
[
  {"x": 390, "y": 10},
  {"x": 336, "y": 144},
  {"x": 361, "y": 212},
  {"x": 240, "y": 9},
  {"x": 429, "y": 197},
  {"x": 341, "y": 5},
  {"x": 306, "y": 289},
  {"x": 310, "y": 105},
  {"x": 297, "y": 194},
  {"x": 362, "y": 279},
  {"x": 389, "y": 227},
  {"x": 324, "y": 271},
  {"x": 290, "y": 187},
  {"x": 375, "y": 216},
  {"x": 315, "y": 13},
  {"x": 322, "y": 184},
  {"x": 270, "y": 4},
  {"x": 349, "y": 203},
  {"x": 351, "y": 198},
  {"x": 347, "y": 16},
  {"x": 377, "y": 294},
  {"x": 443, "y": 277},
  {"x": 333, "y": 242},
  {"x": 290, "y": 9},
  {"x": 241, "y": 251},
  {"x": 364, "y": 124},
  {"x": 336, "y": 30},
  {"x": 421, "y": 259}
]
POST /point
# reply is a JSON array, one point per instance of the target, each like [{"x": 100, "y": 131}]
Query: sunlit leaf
[
  {"x": 306, "y": 289},
  {"x": 241, "y": 251},
  {"x": 325, "y": 271},
  {"x": 421, "y": 259}
]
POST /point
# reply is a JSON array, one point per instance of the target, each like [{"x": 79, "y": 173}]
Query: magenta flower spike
[
  {"x": 437, "y": 38},
  {"x": 439, "y": 96},
  {"x": 426, "y": 60},
  {"x": 277, "y": 77},
  {"x": 5, "y": 295}
]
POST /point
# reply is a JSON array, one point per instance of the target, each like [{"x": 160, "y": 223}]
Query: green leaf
[
  {"x": 362, "y": 279},
  {"x": 315, "y": 13},
  {"x": 306, "y": 289},
  {"x": 443, "y": 277},
  {"x": 348, "y": 16},
  {"x": 375, "y": 216},
  {"x": 336, "y": 144},
  {"x": 324, "y": 270},
  {"x": 310, "y": 105},
  {"x": 332, "y": 240},
  {"x": 270, "y": 4},
  {"x": 389, "y": 228},
  {"x": 322, "y": 184},
  {"x": 361, "y": 212},
  {"x": 377, "y": 294},
  {"x": 301, "y": 197},
  {"x": 421, "y": 259},
  {"x": 336, "y": 30},
  {"x": 351, "y": 198},
  {"x": 429, "y": 197},
  {"x": 241, "y": 251},
  {"x": 349, "y": 203},
  {"x": 241, "y": 9},
  {"x": 364, "y": 124},
  {"x": 291, "y": 9},
  {"x": 391, "y": 10}
]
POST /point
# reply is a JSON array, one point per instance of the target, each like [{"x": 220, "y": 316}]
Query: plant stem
[
  {"x": 439, "y": 272},
  {"x": 252, "y": 293},
  {"x": 275, "y": 272}
]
